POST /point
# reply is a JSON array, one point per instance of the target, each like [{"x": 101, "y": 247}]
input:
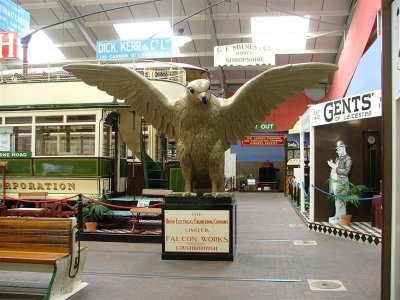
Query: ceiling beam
[
  {"x": 239, "y": 35},
  {"x": 200, "y": 17},
  {"x": 67, "y": 25},
  {"x": 305, "y": 51},
  {"x": 88, "y": 37},
  {"x": 47, "y": 5},
  {"x": 345, "y": 29},
  {"x": 96, "y": 2},
  {"x": 215, "y": 42},
  {"x": 210, "y": 53},
  {"x": 71, "y": 44},
  {"x": 220, "y": 36}
]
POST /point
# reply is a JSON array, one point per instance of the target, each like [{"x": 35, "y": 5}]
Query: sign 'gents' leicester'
[{"x": 350, "y": 108}]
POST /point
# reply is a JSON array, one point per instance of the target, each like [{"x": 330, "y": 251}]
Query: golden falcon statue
[{"x": 202, "y": 126}]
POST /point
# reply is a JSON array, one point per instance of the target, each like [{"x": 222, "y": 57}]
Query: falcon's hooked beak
[
  {"x": 205, "y": 98},
  {"x": 200, "y": 88}
]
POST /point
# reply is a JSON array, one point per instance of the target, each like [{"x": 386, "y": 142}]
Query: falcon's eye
[{"x": 191, "y": 90}]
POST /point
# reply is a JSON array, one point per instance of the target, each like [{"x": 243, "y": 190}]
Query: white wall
[
  {"x": 230, "y": 166},
  {"x": 68, "y": 92}
]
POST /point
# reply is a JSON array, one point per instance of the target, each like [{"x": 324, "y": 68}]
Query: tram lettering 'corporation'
[{"x": 38, "y": 186}]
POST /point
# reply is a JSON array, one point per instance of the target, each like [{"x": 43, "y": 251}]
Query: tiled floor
[
  {"x": 357, "y": 231},
  {"x": 277, "y": 257}
]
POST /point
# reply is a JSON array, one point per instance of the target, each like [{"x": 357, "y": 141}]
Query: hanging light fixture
[{"x": 181, "y": 39}]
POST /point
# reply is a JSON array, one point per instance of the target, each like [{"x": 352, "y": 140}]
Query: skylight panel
[
  {"x": 146, "y": 30},
  {"x": 282, "y": 33},
  {"x": 41, "y": 49}
]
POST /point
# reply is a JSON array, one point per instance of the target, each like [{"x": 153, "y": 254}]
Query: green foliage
[
  {"x": 349, "y": 195},
  {"x": 243, "y": 176},
  {"x": 96, "y": 212}
]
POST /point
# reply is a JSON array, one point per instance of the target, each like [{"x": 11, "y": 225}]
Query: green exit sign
[{"x": 265, "y": 127}]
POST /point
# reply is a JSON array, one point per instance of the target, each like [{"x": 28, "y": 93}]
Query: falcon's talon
[
  {"x": 218, "y": 194},
  {"x": 209, "y": 195},
  {"x": 223, "y": 194},
  {"x": 188, "y": 194},
  {"x": 177, "y": 194},
  {"x": 184, "y": 194}
]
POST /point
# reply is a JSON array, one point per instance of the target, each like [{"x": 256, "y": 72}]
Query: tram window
[
  {"x": 18, "y": 120},
  {"x": 18, "y": 138},
  {"x": 107, "y": 140},
  {"x": 1, "y": 120},
  {"x": 23, "y": 142},
  {"x": 65, "y": 140},
  {"x": 81, "y": 118},
  {"x": 122, "y": 150},
  {"x": 49, "y": 119}
]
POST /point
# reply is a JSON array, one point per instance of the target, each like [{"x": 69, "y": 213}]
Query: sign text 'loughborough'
[{"x": 349, "y": 108}]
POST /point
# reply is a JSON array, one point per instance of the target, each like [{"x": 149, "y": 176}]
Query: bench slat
[
  {"x": 33, "y": 247},
  {"x": 42, "y": 222},
  {"x": 33, "y": 194},
  {"x": 35, "y": 234},
  {"x": 47, "y": 258},
  {"x": 147, "y": 210},
  {"x": 43, "y": 245},
  {"x": 156, "y": 192}
]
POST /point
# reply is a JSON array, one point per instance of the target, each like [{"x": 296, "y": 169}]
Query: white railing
[{"x": 10, "y": 73}]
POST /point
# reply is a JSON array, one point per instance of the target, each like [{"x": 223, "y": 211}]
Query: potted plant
[
  {"x": 94, "y": 212},
  {"x": 242, "y": 178},
  {"x": 228, "y": 184},
  {"x": 348, "y": 196}
]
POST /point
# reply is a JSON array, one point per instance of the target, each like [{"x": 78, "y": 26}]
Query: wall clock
[{"x": 371, "y": 139}]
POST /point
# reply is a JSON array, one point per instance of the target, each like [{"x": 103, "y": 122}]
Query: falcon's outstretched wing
[
  {"x": 256, "y": 98},
  {"x": 126, "y": 84}
]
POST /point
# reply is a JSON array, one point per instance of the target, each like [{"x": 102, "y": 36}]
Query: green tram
[{"x": 61, "y": 136}]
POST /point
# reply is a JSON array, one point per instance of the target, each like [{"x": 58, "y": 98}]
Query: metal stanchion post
[{"x": 80, "y": 216}]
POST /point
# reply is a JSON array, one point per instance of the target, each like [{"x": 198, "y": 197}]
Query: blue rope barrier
[
  {"x": 304, "y": 190},
  {"x": 344, "y": 198}
]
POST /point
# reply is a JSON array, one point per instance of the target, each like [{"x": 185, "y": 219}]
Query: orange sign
[{"x": 263, "y": 140}]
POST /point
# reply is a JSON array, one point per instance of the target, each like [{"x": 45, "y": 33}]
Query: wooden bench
[
  {"x": 54, "y": 209},
  {"x": 33, "y": 196},
  {"x": 25, "y": 211},
  {"x": 156, "y": 192},
  {"x": 148, "y": 210},
  {"x": 138, "y": 211},
  {"x": 44, "y": 245}
]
